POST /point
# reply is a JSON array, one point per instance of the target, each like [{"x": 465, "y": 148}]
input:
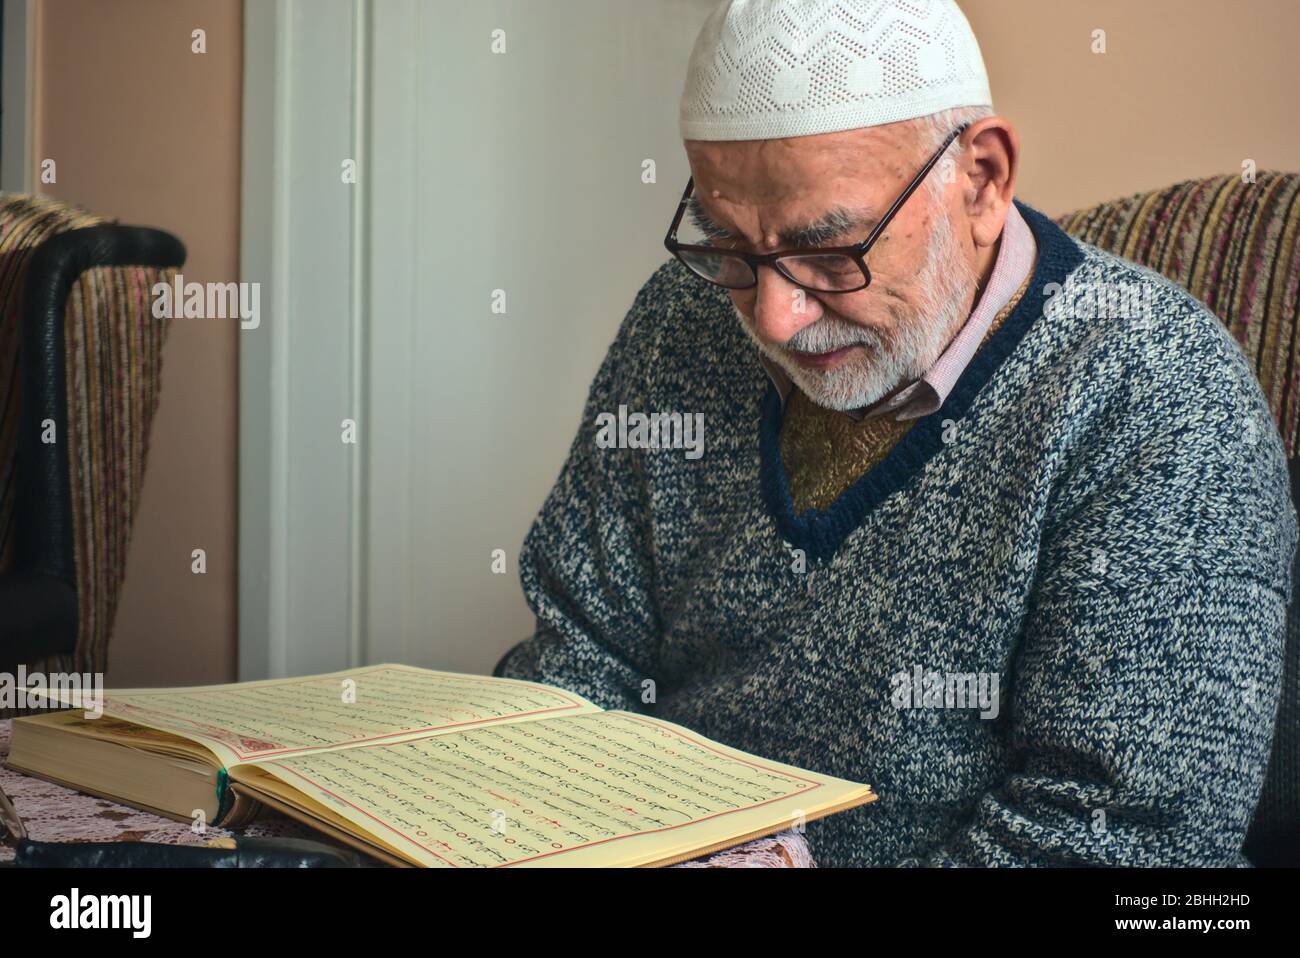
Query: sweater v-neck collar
[{"x": 819, "y": 532}]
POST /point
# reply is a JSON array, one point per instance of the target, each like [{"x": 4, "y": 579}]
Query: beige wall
[
  {"x": 144, "y": 130},
  {"x": 1188, "y": 88}
]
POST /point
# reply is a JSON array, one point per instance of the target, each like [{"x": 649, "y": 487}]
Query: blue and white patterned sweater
[{"x": 1099, "y": 515}]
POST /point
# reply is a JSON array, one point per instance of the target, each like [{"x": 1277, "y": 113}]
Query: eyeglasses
[{"x": 834, "y": 269}]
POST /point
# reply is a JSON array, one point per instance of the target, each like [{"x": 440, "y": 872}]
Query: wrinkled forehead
[{"x": 773, "y": 185}]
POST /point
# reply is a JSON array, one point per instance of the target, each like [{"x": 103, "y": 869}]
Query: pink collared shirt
[{"x": 1016, "y": 253}]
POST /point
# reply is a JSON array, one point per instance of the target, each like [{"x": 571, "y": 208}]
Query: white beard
[{"x": 869, "y": 373}]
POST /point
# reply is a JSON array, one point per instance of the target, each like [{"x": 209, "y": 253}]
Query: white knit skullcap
[{"x": 766, "y": 69}]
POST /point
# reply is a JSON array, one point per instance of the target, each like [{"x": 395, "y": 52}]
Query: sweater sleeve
[
  {"x": 586, "y": 565},
  {"x": 1144, "y": 689}
]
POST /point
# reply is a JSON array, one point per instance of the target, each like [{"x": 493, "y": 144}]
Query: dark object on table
[
  {"x": 11, "y": 824},
  {"x": 246, "y": 853}
]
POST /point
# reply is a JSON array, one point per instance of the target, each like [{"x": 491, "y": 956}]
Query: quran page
[
  {"x": 381, "y": 703},
  {"x": 609, "y": 788}
]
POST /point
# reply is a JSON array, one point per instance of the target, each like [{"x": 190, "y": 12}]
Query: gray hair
[{"x": 933, "y": 129}]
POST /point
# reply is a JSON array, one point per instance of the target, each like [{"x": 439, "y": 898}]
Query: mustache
[{"x": 829, "y": 334}]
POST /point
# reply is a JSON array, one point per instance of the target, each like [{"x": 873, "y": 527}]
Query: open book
[{"x": 417, "y": 767}]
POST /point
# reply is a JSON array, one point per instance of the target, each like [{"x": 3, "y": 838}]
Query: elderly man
[{"x": 963, "y": 527}]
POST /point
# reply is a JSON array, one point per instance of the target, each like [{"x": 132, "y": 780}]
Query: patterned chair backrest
[
  {"x": 1235, "y": 246},
  {"x": 110, "y": 345}
]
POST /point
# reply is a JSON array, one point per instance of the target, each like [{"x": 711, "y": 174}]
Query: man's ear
[{"x": 990, "y": 162}]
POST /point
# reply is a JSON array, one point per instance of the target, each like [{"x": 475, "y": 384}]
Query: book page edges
[
  {"x": 241, "y": 812},
  {"x": 327, "y": 823},
  {"x": 319, "y": 817},
  {"x": 761, "y": 833}
]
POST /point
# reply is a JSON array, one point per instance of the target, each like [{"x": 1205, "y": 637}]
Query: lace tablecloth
[{"x": 53, "y": 813}]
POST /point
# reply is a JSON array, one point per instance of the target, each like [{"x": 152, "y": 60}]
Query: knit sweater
[{"x": 1098, "y": 517}]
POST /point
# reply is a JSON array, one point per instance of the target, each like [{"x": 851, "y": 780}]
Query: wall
[
  {"x": 532, "y": 185},
  {"x": 477, "y": 171},
  {"x": 1187, "y": 88},
  {"x": 144, "y": 130}
]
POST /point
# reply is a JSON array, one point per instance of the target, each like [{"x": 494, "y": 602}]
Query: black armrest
[
  {"x": 38, "y": 618},
  {"x": 35, "y": 608},
  {"x": 1274, "y": 836}
]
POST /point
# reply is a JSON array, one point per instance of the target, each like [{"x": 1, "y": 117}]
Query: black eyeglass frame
[{"x": 857, "y": 251}]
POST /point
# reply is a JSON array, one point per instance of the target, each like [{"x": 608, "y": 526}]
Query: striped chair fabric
[{"x": 113, "y": 354}]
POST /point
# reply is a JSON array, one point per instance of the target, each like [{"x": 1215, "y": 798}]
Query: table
[{"x": 53, "y": 813}]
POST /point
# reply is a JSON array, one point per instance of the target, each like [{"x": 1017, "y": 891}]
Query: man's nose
[{"x": 781, "y": 308}]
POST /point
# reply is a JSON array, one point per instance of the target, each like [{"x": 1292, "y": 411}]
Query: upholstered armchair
[
  {"x": 1235, "y": 246},
  {"x": 80, "y": 356}
]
